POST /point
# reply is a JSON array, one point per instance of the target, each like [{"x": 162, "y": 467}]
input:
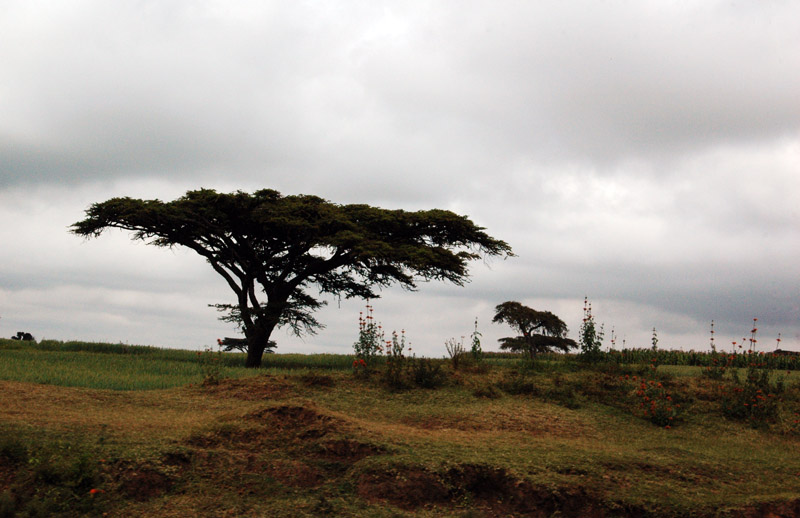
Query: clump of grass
[
  {"x": 487, "y": 391},
  {"x": 211, "y": 366},
  {"x": 518, "y": 382},
  {"x": 50, "y": 479},
  {"x": 315, "y": 379},
  {"x": 426, "y": 373},
  {"x": 13, "y": 451}
]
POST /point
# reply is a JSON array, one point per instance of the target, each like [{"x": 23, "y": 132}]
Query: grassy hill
[{"x": 113, "y": 430}]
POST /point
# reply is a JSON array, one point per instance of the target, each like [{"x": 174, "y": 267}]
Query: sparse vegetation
[{"x": 304, "y": 437}]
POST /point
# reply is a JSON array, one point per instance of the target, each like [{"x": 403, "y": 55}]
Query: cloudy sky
[{"x": 644, "y": 154}]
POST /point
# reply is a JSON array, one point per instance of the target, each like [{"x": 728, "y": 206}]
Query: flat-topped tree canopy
[
  {"x": 272, "y": 249},
  {"x": 540, "y": 331}
]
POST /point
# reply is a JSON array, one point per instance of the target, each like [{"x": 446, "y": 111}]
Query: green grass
[
  {"x": 136, "y": 367},
  {"x": 101, "y": 371}
]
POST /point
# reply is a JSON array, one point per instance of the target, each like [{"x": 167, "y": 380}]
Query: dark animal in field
[{"x": 22, "y": 335}]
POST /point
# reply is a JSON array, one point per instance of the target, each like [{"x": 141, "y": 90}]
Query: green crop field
[{"x": 116, "y": 430}]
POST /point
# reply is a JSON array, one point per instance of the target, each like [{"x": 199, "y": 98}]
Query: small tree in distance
[{"x": 540, "y": 331}]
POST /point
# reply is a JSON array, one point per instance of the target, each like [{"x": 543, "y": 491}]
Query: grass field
[{"x": 112, "y": 430}]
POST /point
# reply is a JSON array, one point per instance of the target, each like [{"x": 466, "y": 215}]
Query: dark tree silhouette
[
  {"x": 540, "y": 331},
  {"x": 273, "y": 249}
]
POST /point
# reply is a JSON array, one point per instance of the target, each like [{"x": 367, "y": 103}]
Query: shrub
[
  {"x": 360, "y": 368},
  {"x": 59, "y": 481},
  {"x": 427, "y": 374},
  {"x": 476, "y": 367},
  {"x": 487, "y": 391},
  {"x": 394, "y": 374},
  {"x": 455, "y": 349},
  {"x": 13, "y": 451},
  {"x": 656, "y": 404},
  {"x": 211, "y": 366},
  {"x": 755, "y": 400},
  {"x": 370, "y": 341},
  {"x": 717, "y": 366},
  {"x": 564, "y": 395},
  {"x": 518, "y": 383}
]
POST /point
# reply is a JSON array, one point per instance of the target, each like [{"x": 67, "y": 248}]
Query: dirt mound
[
  {"x": 492, "y": 489},
  {"x": 499, "y": 490},
  {"x": 180, "y": 459},
  {"x": 229, "y": 435},
  {"x": 141, "y": 482},
  {"x": 295, "y": 473},
  {"x": 251, "y": 389},
  {"x": 299, "y": 421},
  {"x": 313, "y": 379},
  {"x": 407, "y": 488},
  {"x": 346, "y": 450},
  {"x": 789, "y": 509}
]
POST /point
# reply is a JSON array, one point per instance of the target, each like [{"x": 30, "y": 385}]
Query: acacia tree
[
  {"x": 540, "y": 331},
  {"x": 279, "y": 254}
]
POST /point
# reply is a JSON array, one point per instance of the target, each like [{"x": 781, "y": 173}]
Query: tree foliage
[
  {"x": 540, "y": 331},
  {"x": 280, "y": 254}
]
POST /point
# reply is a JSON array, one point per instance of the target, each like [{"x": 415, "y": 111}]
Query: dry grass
[{"x": 301, "y": 445}]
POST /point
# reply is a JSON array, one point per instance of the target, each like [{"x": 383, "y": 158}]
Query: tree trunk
[
  {"x": 254, "y": 354},
  {"x": 257, "y": 340}
]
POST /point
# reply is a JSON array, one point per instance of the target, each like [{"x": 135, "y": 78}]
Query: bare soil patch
[
  {"x": 407, "y": 488},
  {"x": 295, "y": 473},
  {"x": 768, "y": 510},
  {"x": 141, "y": 482},
  {"x": 296, "y": 421},
  {"x": 257, "y": 388},
  {"x": 347, "y": 450},
  {"x": 490, "y": 489}
]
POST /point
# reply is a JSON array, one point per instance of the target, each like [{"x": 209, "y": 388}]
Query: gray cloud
[{"x": 643, "y": 154}]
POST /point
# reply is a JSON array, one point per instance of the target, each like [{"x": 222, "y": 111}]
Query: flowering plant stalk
[
  {"x": 394, "y": 375},
  {"x": 477, "y": 353},
  {"x": 370, "y": 338},
  {"x": 590, "y": 338},
  {"x": 211, "y": 366}
]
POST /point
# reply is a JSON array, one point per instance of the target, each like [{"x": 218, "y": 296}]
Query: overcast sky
[{"x": 644, "y": 154}]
